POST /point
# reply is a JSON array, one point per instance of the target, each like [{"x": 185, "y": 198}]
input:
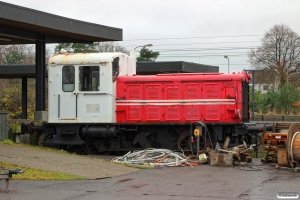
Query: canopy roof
[{"x": 20, "y": 25}]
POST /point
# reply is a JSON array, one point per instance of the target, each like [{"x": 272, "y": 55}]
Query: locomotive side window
[
  {"x": 68, "y": 78},
  {"x": 89, "y": 78},
  {"x": 115, "y": 68}
]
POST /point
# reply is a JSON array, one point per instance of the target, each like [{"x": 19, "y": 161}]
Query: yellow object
[
  {"x": 203, "y": 158},
  {"x": 197, "y": 132}
]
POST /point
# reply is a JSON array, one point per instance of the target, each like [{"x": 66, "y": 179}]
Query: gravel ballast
[{"x": 91, "y": 168}]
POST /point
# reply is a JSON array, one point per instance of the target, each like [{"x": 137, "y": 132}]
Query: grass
[
  {"x": 10, "y": 142},
  {"x": 37, "y": 174},
  {"x": 6, "y": 142}
]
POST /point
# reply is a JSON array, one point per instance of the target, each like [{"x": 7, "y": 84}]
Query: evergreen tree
[
  {"x": 147, "y": 55},
  {"x": 288, "y": 96}
]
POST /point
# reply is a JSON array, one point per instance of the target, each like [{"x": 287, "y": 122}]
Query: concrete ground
[{"x": 256, "y": 181}]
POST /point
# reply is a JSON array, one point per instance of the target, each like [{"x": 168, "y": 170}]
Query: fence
[{"x": 277, "y": 118}]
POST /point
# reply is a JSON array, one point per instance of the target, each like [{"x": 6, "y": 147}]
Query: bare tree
[
  {"x": 93, "y": 47},
  {"x": 279, "y": 53},
  {"x": 111, "y": 47},
  {"x": 10, "y": 93},
  {"x": 17, "y": 54}
]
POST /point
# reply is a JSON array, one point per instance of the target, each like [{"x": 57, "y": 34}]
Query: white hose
[{"x": 152, "y": 156}]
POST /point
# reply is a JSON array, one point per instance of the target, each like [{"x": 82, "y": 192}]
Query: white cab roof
[{"x": 83, "y": 58}]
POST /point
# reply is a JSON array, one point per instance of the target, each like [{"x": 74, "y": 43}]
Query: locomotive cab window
[
  {"x": 115, "y": 68},
  {"x": 68, "y": 78},
  {"x": 89, "y": 78}
]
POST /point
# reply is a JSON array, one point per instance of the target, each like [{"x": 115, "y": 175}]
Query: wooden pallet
[{"x": 274, "y": 138}]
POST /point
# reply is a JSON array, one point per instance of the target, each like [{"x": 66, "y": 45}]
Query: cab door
[
  {"x": 90, "y": 104},
  {"x": 67, "y": 98}
]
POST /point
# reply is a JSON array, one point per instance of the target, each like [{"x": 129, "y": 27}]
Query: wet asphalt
[{"x": 255, "y": 181}]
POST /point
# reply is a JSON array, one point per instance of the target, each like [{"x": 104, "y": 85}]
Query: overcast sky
[{"x": 199, "y": 31}]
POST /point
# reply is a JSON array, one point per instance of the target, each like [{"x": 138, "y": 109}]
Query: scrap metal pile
[
  {"x": 155, "y": 157},
  {"x": 164, "y": 157},
  {"x": 225, "y": 156}
]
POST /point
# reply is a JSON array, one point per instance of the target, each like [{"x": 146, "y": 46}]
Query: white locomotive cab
[{"x": 82, "y": 86}]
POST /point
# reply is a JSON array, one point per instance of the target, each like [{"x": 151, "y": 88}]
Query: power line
[
  {"x": 52, "y": 47},
  {"x": 192, "y": 53},
  {"x": 194, "y": 37},
  {"x": 227, "y": 64},
  {"x": 203, "y": 56},
  {"x": 221, "y": 36},
  {"x": 195, "y": 43},
  {"x": 205, "y": 49}
]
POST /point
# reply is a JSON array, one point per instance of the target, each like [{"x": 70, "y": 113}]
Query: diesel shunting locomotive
[{"x": 97, "y": 100}]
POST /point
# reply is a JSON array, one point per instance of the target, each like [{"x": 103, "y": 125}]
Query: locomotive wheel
[
  {"x": 97, "y": 145},
  {"x": 45, "y": 138},
  {"x": 184, "y": 142},
  {"x": 91, "y": 146}
]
